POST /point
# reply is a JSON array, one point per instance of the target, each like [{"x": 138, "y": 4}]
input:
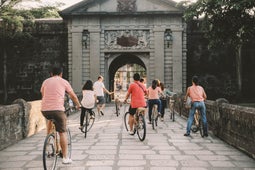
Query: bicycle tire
[
  {"x": 117, "y": 109},
  {"x": 91, "y": 120},
  {"x": 141, "y": 128},
  {"x": 126, "y": 119},
  {"x": 69, "y": 142},
  {"x": 154, "y": 117},
  {"x": 201, "y": 128},
  {"x": 86, "y": 123},
  {"x": 49, "y": 153}
]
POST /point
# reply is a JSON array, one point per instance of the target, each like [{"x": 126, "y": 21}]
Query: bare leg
[
  {"x": 131, "y": 122},
  {"x": 63, "y": 143}
]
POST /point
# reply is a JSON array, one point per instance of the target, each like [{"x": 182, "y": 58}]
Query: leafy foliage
[{"x": 226, "y": 22}]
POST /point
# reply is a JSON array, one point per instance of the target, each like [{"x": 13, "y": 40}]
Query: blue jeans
[
  {"x": 151, "y": 103},
  {"x": 201, "y": 107}
]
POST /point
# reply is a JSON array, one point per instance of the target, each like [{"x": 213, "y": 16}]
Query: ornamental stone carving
[
  {"x": 127, "y": 39},
  {"x": 126, "y": 5}
]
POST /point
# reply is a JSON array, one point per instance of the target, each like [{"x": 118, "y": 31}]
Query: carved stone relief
[
  {"x": 126, "y": 5},
  {"x": 127, "y": 39}
]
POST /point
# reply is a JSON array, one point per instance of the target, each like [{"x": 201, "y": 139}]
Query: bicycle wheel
[
  {"x": 201, "y": 127},
  {"x": 126, "y": 120},
  {"x": 91, "y": 120},
  {"x": 69, "y": 142},
  {"x": 141, "y": 128},
  {"x": 154, "y": 117},
  {"x": 117, "y": 108},
  {"x": 49, "y": 152},
  {"x": 85, "y": 124}
]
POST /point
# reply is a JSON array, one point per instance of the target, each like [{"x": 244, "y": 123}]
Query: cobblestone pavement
[{"x": 108, "y": 146}]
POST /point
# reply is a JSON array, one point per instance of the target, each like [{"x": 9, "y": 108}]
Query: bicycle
[
  {"x": 117, "y": 106},
  {"x": 198, "y": 124},
  {"x": 139, "y": 123},
  {"x": 154, "y": 116},
  {"x": 52, "y": 149},
  {"x": 88, "y": 122},
  {"x": 171, "y": 106}
]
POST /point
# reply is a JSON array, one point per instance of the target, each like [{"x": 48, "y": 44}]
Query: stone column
[
  {"x": 159, "y": 53},
  {"x": 76, "y": 59},
  {"x": 177, "y": 59},
  {"x": 94, "y": 53}
]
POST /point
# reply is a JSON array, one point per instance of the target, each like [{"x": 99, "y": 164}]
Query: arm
[
  {"x": 106, "y": 91},
  {"x": 204, "y": 95},
  {"x": 74, "y": 99}
]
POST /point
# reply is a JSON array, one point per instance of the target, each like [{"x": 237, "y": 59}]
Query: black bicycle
[
  {"x": 139, "y": 123},
  {"x": 154, "y": 116},
  {"x": 52, "y": 149},
  {"x": 88, "y": 122}
]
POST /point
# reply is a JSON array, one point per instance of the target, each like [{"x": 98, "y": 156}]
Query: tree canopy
[{"x": 226, "y": 22}]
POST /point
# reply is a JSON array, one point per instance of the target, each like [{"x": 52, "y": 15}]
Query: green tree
[
  {"x": 226, "y": 23},
  {"x": 12, "y": 22}
]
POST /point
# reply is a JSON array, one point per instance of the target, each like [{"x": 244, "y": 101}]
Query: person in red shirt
[
  {"x": 198, "y": 96},
  {"x": 137, "y": 90},
  {"x": 53, "y": 92}
]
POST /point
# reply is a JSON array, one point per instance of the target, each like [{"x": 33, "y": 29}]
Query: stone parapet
[{"x": 232, "y": 123}]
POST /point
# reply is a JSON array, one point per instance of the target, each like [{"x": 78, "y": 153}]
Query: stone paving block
[
  {"x": 131, "y": 163},
  {"x": 109, "y": 146},
  {"x": 222, "y": 164},
  {"x": 171, "y": 163}
]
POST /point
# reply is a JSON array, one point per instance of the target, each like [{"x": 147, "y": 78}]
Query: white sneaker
[
  {"x": 67, "y": 161},
  {"x": 131, "y": 132}
]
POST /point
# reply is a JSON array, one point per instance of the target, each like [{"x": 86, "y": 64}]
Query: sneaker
[
  {"x": 92, "y": 117},
  {"x": 80, "y": 127},
  {"x": 149, "y": 122},
  {"x": 102, "y": 113},
  {"x": 162, "y": 119},
  {"x": 131, "y": 132},
  {"x": 67, "y": 161},
  {"x": 206, "y": 134},
  {"x": 186, "y": 134}
]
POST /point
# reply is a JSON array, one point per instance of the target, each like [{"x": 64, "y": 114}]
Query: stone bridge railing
[{"x": 232, "y": 123}]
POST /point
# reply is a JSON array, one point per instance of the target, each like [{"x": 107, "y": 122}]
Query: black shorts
[
  {"x": 132, "y": 111},
  {"x": 59, "y": 117},
  {"x": 101, "y": 100}
]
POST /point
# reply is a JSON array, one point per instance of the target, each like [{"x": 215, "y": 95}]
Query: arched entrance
[{"x": 119, "y": 60}]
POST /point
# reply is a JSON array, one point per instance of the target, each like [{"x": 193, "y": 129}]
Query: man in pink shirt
[
  {"x": 198, "y": 96},
  {"x": 137, "y": 91},
  {"x": 53, "y": 93}
]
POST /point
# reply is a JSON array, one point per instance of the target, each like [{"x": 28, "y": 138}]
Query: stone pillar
[
  {"x": 76, "y": 59},
  {"x": 177, "y": 59},
  {"x": 94, "y": 53},
  {"x": 159, "y": 53}
]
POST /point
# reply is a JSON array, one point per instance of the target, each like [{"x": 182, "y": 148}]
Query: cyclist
[
  {"x": 137, "y": 91},
  {"x": 153, "y": 97},
  {"x": 53, "y": 92},
  {"x": 88, "y": 101},
  {"x": 198, "y": 96}
]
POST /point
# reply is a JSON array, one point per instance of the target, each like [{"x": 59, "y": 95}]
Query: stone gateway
[{"x": 104, "y": 35}]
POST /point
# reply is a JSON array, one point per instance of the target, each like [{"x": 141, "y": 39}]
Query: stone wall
[
  {"x": 231, "y": 123},
  {"x": 19, "y": 120}
]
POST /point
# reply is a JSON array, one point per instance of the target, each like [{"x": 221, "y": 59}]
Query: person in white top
[
  {"x": 88, "y": 101},
  {"x": 99, "y": 89}
]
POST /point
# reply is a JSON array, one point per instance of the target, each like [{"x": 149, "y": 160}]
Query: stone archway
[{"x": 116, "y": 61}]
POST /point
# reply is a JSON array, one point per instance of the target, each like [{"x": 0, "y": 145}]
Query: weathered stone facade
[{"x": 101, "y": 33}]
